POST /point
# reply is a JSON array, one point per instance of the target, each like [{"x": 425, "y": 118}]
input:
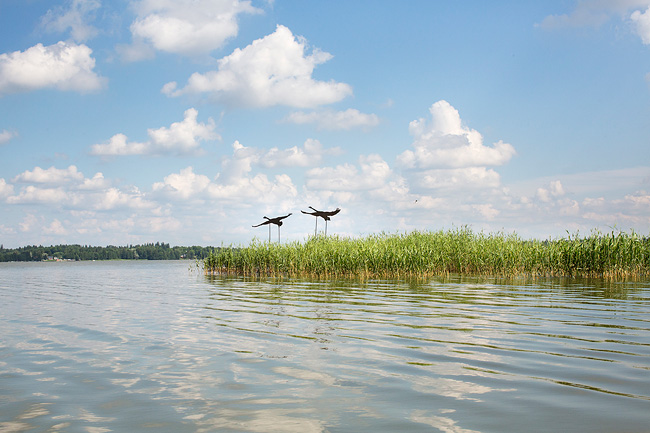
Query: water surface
[{"x": 152, "y": 346}]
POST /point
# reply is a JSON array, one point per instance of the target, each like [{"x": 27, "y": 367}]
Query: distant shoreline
[{"x": 75, "y": 252}]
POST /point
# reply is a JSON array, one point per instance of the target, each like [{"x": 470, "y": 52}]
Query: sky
[{"x": 189, "y": 121}]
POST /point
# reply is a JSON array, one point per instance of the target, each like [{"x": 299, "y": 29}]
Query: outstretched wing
[
  {"x": 333, "y": 212},
  {"x": 324, "y": 213}
]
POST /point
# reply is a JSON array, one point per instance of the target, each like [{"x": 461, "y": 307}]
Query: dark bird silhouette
[
  {"x": 323, "y": 214},
  {"x": 277, "y": 221}
]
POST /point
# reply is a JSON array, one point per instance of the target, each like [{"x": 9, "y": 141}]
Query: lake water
[{"x": 138, "y": 346}]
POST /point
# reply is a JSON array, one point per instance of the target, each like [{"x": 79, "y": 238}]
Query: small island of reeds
[{"x": 456, "y": 251}]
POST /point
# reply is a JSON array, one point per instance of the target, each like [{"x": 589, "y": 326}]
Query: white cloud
[
  {"x": 28, "y": 223},
  {"x": 310, "y": 154},
  {"x": 486, "y": 211},
  {"x": 55, "y": 228},
  {"x": 335, "y": 120},
  {"x": 118, "y": 145},
  {"x": 457, "y": 178},
  {"x": 187, "y": 27},
  {"x": 244, "y": 158},
  {"x": 159, "y": 224},
  {"x": 70, "y": 189},
  {"x": 641, "y": 22},
  {"x": 33, "y": 194},
  {"x": 274, "y": 70},
  {"x": 235, "y": 182},
  {"x": 183, "y": 185},
  {"x": 373, "y": 173},
  {"x": 250, "y": 190},
  {"x": 50, "y": 175},
  {"x": 241, "y": 162},
  {"x": 592, "y": 13},
  {"x": 63, "y": 66},
  {"x": 180, "y": 138},
  {"x": 5, "y": 188},
  {"x": 114, "y": 198},
  {"x": 75, "y": 17},
  {"x": 640, "y": 200},
  {"x": 555, "y": 189},
  {"x": 445, "y": 142},
  {"x": 6, "y": 136},
  {"x": 96, "y": 183}
]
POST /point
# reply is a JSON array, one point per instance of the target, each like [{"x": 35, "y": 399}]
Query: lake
[{"x": 132, "y": 346}]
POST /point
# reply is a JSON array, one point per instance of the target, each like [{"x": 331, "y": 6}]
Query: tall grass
[{"x": 457, "y": 251}]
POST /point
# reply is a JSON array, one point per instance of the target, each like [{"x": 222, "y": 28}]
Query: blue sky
[{"x": 188, "y": 121}]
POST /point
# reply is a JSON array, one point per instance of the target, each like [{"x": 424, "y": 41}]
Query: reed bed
[{"x": 457, "y": 251}]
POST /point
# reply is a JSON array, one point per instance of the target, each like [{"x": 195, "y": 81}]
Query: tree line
[{"x": 151, "y": 251}]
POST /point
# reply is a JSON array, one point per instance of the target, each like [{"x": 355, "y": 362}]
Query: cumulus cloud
[
  {"x": 236, "y": 183},
  {"x": 114, "y": 198},
  {"x": 311, "y": 153},
  {"x": 274, "y": 70},
  {"x": 187, "y": 27},
  {"x": 445, "y": 143},
  {"x": 453, "y": 178},
  {"x": 243, "y": 158},
  {"x": 119, "y": 145},
  {"x": 75, "y": 17},
  {"x": 373, "y": 172},
  {"x": 245, "y": 189},
  {"x": 55, "y": 228},
  {"x": 183, "y": 137},
  {"x": 255, "y": 189},
  {"x": 183, "y": 185},
  {"x": 335, "y": 120},
  {"x": 62, "y": 66},
  {"x": 240, "y": 163},
  {"x": 69, "y": 188},
  {"x": 50, "y": 175},
  {"x": 641, "y": 21},
  {"x": 96, "y": 183},
  {"x": 33, "y": 194},
  {"x": 6, "y": 136},
  {"x": 5, "y": 188},
  {"x": 554, "y": 189}
]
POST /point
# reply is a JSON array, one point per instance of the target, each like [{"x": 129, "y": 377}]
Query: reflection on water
[{"x": 151, "y": 346}]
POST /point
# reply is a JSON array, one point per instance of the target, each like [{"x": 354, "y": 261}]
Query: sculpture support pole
[{"x": 269, "y": 233}]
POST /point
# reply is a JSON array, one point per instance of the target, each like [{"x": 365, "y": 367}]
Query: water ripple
[{"x": 135, "y": 346}]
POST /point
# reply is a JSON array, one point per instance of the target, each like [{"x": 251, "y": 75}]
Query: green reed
[{"x": 457, "y": 251}]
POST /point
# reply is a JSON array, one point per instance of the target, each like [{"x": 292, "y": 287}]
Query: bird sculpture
[
  {"x": 323, "y": 214},
  {"x": 277, "y": 221}
]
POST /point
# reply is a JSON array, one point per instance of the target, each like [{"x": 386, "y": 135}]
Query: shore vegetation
[{"x": 424, "y": 253}]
